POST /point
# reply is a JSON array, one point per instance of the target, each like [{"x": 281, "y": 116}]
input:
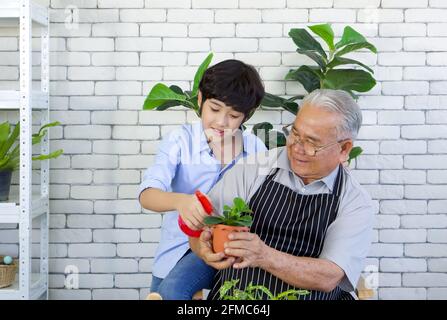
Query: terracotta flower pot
[{"x": 220, "y": 235}]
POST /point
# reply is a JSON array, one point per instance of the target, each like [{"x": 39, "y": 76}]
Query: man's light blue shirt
[{"x": 184, "y": 164}]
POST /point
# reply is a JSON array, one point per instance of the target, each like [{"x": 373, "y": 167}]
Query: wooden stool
[
  {"x": 362, "y": 291},
  {"x": 156, "y": 296}
]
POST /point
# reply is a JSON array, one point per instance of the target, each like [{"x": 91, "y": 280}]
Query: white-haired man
[{"x": 312, "y": 221}]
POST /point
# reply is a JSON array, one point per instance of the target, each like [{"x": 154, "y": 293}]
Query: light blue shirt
[{"x": 184, "y": 164}]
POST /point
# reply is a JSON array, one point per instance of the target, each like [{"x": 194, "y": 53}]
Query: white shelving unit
[{"x": 24, "y": 207}]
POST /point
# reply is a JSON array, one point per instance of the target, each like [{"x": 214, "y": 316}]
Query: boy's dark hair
[{"x": 235, "y": 83}]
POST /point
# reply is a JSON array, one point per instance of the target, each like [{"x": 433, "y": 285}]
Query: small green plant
[
  {"x": 10, "y": 148},
  {"x": 228, "y": 291},
  {"x": 237, "y": 215},
  {"x": 10, "y": 153}
]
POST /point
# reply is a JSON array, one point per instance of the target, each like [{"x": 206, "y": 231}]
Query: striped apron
[{"x": 288, "y": 222}]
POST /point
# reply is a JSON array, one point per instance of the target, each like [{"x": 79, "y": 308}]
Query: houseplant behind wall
[{"x": 10, "y": 153}]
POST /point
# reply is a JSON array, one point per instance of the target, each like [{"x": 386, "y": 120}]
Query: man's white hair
[{"x": 343, "y": 104}]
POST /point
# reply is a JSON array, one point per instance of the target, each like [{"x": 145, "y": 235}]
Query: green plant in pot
[
  {"x": 332, "y": 70},
  {"x": 10, "y": 153},
  {"x": 237, "y": 218},
  {"x": 228, "y": 291}
]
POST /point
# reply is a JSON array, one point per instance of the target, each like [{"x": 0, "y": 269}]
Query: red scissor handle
[
  {"x": 208, "y": 209},
  {"x": 204, "y": 201}
]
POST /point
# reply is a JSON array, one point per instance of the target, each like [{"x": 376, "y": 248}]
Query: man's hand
[
  {"x": 205, "y": 251},
  {"x": 249, "y": 248}
]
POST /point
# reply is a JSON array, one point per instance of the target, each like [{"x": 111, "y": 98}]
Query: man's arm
[{"x": 301, "y": 272}]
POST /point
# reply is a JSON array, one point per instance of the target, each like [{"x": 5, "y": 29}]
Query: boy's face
[{"x": 218, "y": 119}]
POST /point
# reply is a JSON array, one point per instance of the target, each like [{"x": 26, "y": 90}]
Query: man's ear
[{"x": 346, "y": 147}]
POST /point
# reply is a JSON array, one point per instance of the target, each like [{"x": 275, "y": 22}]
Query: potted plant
[
  {"x": 228, "y": 291},
  {"x": 10, "y": 153},
  {"x": 329, "y": 72},
  {"x": 236, "y": 218}
]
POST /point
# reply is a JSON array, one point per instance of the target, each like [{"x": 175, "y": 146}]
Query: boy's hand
[{"x": 191, "y": 211}]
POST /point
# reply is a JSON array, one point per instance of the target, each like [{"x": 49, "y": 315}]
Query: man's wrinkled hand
[
  {"x": 250, "y": 250},
  {"x": 216, "y": 260}
]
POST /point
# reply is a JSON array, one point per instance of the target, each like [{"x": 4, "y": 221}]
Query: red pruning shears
[{"x": 208, "y": 209}]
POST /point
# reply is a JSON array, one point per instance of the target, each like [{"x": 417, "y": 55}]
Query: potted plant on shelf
[
  {"x": 228, "y": 291},
  {"x": 236, "y": 218},
  {"x": 10, "y": 153}
]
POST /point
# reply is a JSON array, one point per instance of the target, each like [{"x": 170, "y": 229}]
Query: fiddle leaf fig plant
[
  {"x": 329, "y": 72},
  {"x": 237, "y": 215},
  {"x": 228, "y": 291},
  {"x": 326, "y": 74}
]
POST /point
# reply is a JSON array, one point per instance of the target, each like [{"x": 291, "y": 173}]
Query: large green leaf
[
  {"x": 51, "y": 124},
  {"x": 314, "y": 56},
  {"x": 4, "y": 163},
  {"x": 308, "y": 77},
  {"x": 159, "y": 95},
  {"x": 52, "y": 155},
  {"x": 349, "y": 36},
  {"x": 176, "y": 89},
  {"x": 10, "y": 141},
  {"x": 290, "y": 106},
  {"x": 280, "y": 140},
  {"x": 337, "y": 61},
  {"x": 200, "y": 72},
  {"x": 5, "y": 127},
  {"x": 305, "y": 41},
  {"x": 270, "y": 100},
  {"x": 348, "y": 79},
  {"x": 354, "y": 47},
  {"x": 174, "y": 103},
  {"x": 261, "y": 130},
  {"x": 355, "y": 152},
  {"x": 325, "y": 32}
]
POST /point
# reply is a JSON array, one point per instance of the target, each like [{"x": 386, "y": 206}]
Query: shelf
[
  {"x": 10, "y": 211},
  {"x": 10, "y": 100},
  {"x": 37, "y": 288},
  {"x": 10, "y": 13},
  {"x": 26, "y": 16}
]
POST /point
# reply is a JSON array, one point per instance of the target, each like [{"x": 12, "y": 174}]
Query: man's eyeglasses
[{"x": 310, "y": 149}]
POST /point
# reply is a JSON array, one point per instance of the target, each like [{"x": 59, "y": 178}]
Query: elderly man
[{"x": 312, "y": 221}]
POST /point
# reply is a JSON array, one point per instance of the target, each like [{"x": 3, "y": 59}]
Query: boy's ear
[{"x": 199, "y": 98}]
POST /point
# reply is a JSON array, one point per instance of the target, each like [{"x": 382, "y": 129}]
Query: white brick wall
[{"x": 103, "y": 69}]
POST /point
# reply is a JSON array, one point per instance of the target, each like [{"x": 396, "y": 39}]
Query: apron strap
[{"x": 339, "y": 181}]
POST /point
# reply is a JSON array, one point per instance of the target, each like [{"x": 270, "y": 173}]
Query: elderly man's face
[{"x": 316, "y": 126}]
